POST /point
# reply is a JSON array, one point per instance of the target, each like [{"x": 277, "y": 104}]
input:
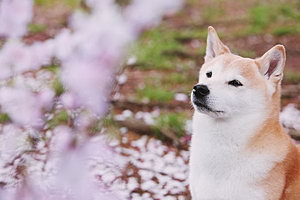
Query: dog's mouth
[{"x": 203, "y": 107}]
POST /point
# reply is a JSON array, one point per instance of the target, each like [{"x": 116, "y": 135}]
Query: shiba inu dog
[{"x": 239, "y": 150}]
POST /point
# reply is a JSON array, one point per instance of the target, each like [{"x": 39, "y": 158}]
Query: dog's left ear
[
  {"x": 214, "y": 46},
  {"x": 272, "y": 63}
]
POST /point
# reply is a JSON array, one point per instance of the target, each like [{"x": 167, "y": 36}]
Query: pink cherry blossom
[
  {"x": 14, "y": 17},
  {"x": 42, "y": 162}
]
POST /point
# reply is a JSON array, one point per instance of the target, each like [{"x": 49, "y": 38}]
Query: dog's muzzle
[
  {"x": 199, "y": 99},
  {"x": 200, "y": 91}
]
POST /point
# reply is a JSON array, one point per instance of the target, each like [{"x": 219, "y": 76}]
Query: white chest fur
[{"x": 221, "y": 168}]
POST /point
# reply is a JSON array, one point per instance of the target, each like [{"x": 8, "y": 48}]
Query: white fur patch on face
[{"x": 227, "y": 99}]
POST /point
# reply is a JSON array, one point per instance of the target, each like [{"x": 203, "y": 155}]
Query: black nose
[{"x": 200, "y": 91}]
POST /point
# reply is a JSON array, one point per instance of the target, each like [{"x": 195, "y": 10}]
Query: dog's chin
[{"x": 205, "y": 109}]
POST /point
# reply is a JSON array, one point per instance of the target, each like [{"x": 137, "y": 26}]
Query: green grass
[
  {"x": 172, "y": 122},
  {"x": 180, "y": 82},
  {"x": 96, "y": 126},
  {"x": 213, "y": 13},
  {"x": 260, "y": 18},
  {"x": 172, "y": 82},
  {"x": 56, "y": 84},
  {"x": 245, "y": 53},
  {"x": 70, "y": 3},
  {"x": 123, "y": 2},
  {"x": 108, "y": 121},
  {"x": 167, "y": 78},
  {"x": 191, "y": 33},
  {"x": 278, "y": 18},
  {"x": 4, "y": 118},
  {"x": 151, "y": 48},
  {"x": 166, "y": 48},
  {"x": 290, "y": 76},
  {"x": 59, "y": 118},
  {"x": 157, "y": 94},
  {"x": 286, "y": 30},
  {"x": 58, "y": 87},
  {"x": 290, "y": 10},
  {"x": 112, "y": 129},
  {"x": 52, "y": 68},
  {"x": 175, "y": 78},
  {"x": 42, "y": 2},
  {"x": 36, "y": 28}
]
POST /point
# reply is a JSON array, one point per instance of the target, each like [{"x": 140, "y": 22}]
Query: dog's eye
[
  {"x": 208, "y": 74},
  {"x": 235, "y": 83}
]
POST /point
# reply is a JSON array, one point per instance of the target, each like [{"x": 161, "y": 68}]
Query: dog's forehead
[
  {"x": 245, "y": 66},
  {"x": 233, "y": 64}
]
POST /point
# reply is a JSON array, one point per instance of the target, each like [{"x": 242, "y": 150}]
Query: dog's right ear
[{"x": 214, "y": 45}]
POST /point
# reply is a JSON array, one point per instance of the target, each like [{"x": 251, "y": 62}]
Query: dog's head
[{"x": 230, "y": 85}]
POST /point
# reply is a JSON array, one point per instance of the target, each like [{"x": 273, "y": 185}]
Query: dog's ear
[
  {"x": 214, "y": 45},
  {"x": 272, "y": 63}
]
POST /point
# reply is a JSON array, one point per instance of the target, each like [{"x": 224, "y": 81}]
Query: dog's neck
[{"x": 236, "y": 131}]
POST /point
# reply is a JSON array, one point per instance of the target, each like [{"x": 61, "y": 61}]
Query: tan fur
[{"x": 283, "y": 182}]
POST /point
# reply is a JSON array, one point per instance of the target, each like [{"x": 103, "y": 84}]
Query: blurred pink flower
[
  {"x": 14, "y": 17},
  {"x": 61, "y": 163},
  {"x": 16, "y": 57},
  {"x": 21, "y": 105}
]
